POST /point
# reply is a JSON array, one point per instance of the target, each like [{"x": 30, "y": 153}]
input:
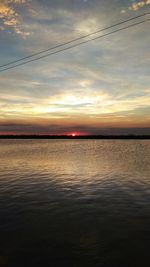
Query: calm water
[{"x": 74, "y": 203}]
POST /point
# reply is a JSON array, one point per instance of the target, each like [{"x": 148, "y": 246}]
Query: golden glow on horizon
[{"x": 90, "y": 102}]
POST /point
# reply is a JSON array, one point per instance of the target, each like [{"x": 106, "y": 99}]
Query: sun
[{"x": 73, "y": 134}]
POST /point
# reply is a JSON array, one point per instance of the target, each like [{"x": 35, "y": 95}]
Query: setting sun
[{"x": 73, "y": 134}]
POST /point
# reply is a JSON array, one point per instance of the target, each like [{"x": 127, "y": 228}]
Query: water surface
[{"x": 75, "y": 203}]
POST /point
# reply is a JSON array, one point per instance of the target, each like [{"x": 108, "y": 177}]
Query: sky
[{"x": 102, "y": 86}]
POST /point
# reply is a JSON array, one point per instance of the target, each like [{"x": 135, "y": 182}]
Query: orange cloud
[
  {"x": 10, "y": 17},
  {"x": 8, "y": 14},
  {"x": 138, "y": 5}
]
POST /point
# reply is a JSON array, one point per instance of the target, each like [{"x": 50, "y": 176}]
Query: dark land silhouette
[{"x": 45, "y": 136}]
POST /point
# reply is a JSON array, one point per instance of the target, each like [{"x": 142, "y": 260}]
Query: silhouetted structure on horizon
[{"x": 44, "y": 136}]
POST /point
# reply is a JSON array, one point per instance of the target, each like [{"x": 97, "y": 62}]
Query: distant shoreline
[{"x": 141, "y": 137}]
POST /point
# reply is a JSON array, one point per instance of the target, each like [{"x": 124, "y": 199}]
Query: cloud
[
  {"x": 11, "y": 18},
  {"x": 137, "y": 5},
  {"x": 87, "y": 26},
  {"x": 16, "y": 1},
  {"x": 24, "y": 127},
  {"x": 8, "y": 14}
]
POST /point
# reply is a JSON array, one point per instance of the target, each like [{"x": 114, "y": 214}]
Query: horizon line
[{"x": 77, "y": 136}]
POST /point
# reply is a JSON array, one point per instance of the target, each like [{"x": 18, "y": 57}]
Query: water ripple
[{"x": 74, "y": 202}]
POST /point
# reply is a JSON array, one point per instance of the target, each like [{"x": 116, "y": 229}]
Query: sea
[{"x": 74, "y": 203}]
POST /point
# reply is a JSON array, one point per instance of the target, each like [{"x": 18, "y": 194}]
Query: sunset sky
[{"x": 102, "y": 86}]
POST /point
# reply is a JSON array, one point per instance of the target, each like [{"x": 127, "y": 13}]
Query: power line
[
  {"x": 75, "y": 45},
  {"x": 74, "y": 40}
]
